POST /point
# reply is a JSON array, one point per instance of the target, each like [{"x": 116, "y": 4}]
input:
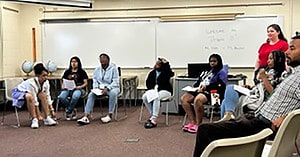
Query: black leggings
[{"x": 243, "y": 126}]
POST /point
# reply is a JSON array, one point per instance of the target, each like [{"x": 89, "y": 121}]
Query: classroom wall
[{"x": 17, "y": 27}]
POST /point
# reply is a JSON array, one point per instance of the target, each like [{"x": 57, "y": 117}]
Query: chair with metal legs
[
  {"x": 10, "y": 84},
  {"x": 120, "y": 95},
  {"x": 163, "y": 101}
]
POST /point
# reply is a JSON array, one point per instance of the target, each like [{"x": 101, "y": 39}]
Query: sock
[{"x": 153, "y": 120}]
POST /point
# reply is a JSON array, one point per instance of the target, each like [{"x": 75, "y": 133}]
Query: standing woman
[
  {"x": 275, "y": 41},
  {"x": 157, "y": 79},
  {"x": 216, "y": 78},
  {"x": 80, "y": 77}
]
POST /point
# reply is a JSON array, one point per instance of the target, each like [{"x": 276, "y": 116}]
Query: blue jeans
[
  {"x": 112, "y": 100},
  {"x": 231, "y": 98},
  {"x": 70, "y": 103},
  {"x": 154, "y": 106}
]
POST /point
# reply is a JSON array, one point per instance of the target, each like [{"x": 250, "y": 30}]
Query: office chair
[{"x": 10, "y": 84}]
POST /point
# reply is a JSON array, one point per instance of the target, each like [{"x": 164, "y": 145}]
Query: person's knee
[
  {"x": 113, "y": 94},
  {"x": 29, "y": 97},
  {"x": 91, "y": 95},
  {"x": 76, "y": 96},
  {"x": 42, "y": 95}
]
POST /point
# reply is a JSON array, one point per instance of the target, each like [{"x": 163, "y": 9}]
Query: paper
[
  {"x": 69, "y": 84},
  {"x": 132, "y": 140},
  {"x": 97, "y": 91},
  {"x": 101, "y": 86},
  {"x": 151, "y": 95},
  {"x": 242, "y": 90},
  {"x": 189, "y": 89}
]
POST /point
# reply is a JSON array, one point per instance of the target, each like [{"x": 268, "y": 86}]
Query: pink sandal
[
  {"x": 187, "y": 127},
  {"x": 193, "y": 129}
]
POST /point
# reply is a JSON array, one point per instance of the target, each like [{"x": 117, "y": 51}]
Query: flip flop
[
  {"x": 186, "y": 127},
  {"x": 193, "y": 129}
]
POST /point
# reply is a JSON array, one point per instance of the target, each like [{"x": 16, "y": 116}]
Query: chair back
[
  {"x": 248, "y": 146},
  {"x": 10, "y": 84},
  {"x": 284, "y": 143},
  {"x": 170, "y": 98},
  {"x": 129, "y": 86}
]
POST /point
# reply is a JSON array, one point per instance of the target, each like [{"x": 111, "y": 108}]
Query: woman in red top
[{"x": 275, "y": 41}]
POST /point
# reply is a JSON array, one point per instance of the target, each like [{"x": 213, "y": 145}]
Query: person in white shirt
[{"x": 32, "y": 92}]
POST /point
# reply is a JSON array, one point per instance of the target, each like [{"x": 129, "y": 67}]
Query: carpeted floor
[{"x": 126, "y": 138}]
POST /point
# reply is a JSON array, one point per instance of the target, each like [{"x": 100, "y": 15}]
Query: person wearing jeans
[
  {"x": 284, "y": 99},
  {"x": 80, "y": 77},
  {"x": 106, "y": 79},
  {"x": 269, "y": 79},
  {"x": 158, "y": 80}
]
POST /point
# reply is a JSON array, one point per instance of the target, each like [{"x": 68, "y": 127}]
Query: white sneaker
[
  {"x": 49, "y": 121},
  {"x": 34, "y": 123},
  {"x": 106, "y": 119},
  {"x": 83, "y": 121}
]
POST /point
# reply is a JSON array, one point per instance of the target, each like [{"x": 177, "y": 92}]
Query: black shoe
[
  {"x": 149, "y": 124},
  {"x": 72, "y": 115}
]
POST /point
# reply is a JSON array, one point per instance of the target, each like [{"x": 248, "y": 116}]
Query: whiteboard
[
  {"x": 138, "y": 43},
  {"x": 129, "y": 44},
  {"x": 237, "y": 41}
]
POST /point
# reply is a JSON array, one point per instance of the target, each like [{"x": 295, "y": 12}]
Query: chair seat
[{"x": 170, "y": 98}]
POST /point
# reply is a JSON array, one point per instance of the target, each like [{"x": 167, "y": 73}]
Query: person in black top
[
  {"x": 158, "y": 81},
  {"x": 80, "y": 77},
  {"x": 193, "y": 101}
]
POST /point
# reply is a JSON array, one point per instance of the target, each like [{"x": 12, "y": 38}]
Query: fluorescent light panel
[{"x": 70, "y": 3}]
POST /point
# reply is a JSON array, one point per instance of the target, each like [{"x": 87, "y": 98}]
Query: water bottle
[{"x": 215, "y": 101}]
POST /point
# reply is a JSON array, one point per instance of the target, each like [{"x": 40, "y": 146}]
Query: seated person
[
  {"x": 106, "y": 78},
  {"x": 32, "y": 92},
  {"x": 269, "y": 79},
  {"x": 285, "y": 99},
  {"x": 216, "y": 78},
  {"x": 80, "y": 77},
  {"x": 157, "y": 79}
]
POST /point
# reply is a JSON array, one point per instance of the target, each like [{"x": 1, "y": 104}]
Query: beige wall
[{"x": 17, "y": 27}]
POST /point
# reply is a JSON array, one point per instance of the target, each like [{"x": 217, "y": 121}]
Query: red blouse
[{"x": 265, "y": 49}]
